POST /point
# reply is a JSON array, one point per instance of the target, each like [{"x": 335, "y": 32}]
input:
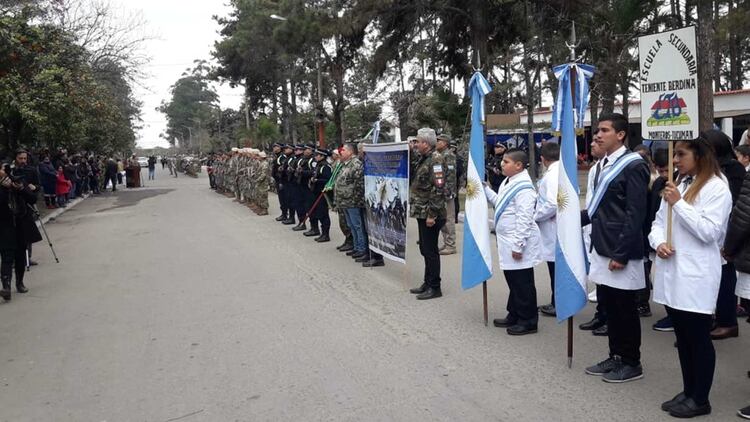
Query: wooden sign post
[{"x": 668, "y": 81}]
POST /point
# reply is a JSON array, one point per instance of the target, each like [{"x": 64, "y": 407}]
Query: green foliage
[{"x": 51, "y": 97}]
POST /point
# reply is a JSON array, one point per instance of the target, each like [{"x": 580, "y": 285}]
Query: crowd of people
[
  {"x": 697, "y": 274},
  {"x": 56, "y": 178}
]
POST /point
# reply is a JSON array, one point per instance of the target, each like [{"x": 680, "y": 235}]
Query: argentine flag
[
  {"x": 476, "y": 262},
  {"x": 570, "y": 252}
]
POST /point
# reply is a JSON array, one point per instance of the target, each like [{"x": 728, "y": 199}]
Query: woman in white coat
[{"x": 688, "y": 273}]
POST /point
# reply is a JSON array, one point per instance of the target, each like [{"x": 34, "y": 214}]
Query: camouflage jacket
[
  {"x": 451, "y": 182},
  {"x": 427, "y": 190},
  {"x": 349, "y": 189}
]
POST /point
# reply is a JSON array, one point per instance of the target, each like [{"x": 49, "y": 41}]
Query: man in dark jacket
[
  {"x": 617, "y": 212},
  {"x": 110, "y": 174}
]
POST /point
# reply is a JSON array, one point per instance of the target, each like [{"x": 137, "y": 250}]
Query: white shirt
[
  {"x": 546, "y": 211},
  {"x": 689, "y": 280},
  {"x": 516, "y": 229},
  {"x": 743, "y": 285}
]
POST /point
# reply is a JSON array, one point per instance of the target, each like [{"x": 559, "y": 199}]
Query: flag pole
[
  {"x": 670, "y": 154},
  {"x": 484, "y": 137},
  {"x": 572, "y": 47}
]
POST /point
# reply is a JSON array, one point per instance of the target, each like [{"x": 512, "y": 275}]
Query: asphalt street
[{"x": 172, "y": 302}]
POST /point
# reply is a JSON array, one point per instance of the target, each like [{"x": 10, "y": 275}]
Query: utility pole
[
  {"x": 321, "y": 111},
  {"x": 705, "y": 45}
]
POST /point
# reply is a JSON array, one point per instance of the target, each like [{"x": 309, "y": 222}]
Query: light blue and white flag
[
  {"x": 584, "y": 72},
  {"x": 375, "y": 132},
  {"x": 477, "y": 256},
  {"x": 570, "y": 252}
]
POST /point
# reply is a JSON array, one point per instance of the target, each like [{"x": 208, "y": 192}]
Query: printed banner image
[{"x": 386, "y": 198}]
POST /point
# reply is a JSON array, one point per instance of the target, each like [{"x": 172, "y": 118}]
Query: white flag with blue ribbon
[
  {"x": 477, "y": 256},
  {"x": 570, "y": 252},
  {"x": 376, "y": 132}
]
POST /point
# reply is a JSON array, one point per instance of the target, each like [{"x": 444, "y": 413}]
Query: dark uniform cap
[
  {"x": 285, "y": 146},
  {"x": 299, "y": 147},
  {"x": 310, "y": 146},
  {"x": 278, "y": 144},
  {"x": 323, "y": 152}
]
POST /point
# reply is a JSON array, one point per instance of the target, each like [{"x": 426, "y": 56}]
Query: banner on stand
[{"x": 387, "y": 197}]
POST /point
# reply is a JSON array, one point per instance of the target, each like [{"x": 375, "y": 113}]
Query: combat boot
[
  {"x": 262, "y": 212},
  {"x": 299, "y": 227},
  {"x": 312, "y": 232},
  {"x": 5, "y": 292}
]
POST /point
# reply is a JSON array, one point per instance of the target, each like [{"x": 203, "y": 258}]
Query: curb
[{"x": 59, "y": 211}]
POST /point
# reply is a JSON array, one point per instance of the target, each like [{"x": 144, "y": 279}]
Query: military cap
[
  {"x": 310, "y": 146},
  {"x": 323, "y": 152},
  {"x": 299, "y": 146}
]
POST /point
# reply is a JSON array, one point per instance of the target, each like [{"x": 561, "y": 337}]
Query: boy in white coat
[
  {"x": 545, "y": 216},
  {"x": 517, "y": 242}
]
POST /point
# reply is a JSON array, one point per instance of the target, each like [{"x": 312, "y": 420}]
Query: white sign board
[{"x": 669, "y": 85}]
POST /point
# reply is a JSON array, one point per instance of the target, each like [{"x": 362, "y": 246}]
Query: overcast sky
[{"x": 185, "y": 32}]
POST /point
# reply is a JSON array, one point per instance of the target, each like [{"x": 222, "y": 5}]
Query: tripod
[{"x": 35, "y": 213}]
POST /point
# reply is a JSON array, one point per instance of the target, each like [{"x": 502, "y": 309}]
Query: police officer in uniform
[
  {"x": 305, "y": 172},
  {"x": 318, "y": 182},
  {"x": 293, "y": 194},
  {"x": 427, "y": 205},
  {"x": 282, "y": 187}
]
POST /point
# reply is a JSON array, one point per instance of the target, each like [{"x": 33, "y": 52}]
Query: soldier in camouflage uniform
[
  {"x": 348, "y": 244},
  {"x": 262, "y": 178},
  {"x": 451, "y": 190},
  {"x": 350, "y": 196},
  {"x": 427, "y": 205}
]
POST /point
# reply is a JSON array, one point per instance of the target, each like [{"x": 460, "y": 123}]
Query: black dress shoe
[
  {"x": 592, "y": 325},
  {"x": 419, "y": 290},
  {"x": 347, "y": 248},
  {"x": 601, "y": 331},
  {"x": 688, "y": 408},
  {"x": 667, "y": 405},
  {"x": 288, "y": 221},
  {"x": 323, "y": 238},
  {"x": 520, "y": 330},
  {"x": 373, "y": 263},
  {"x": 281, "y": 218},
  {"x": 32, "y": 263},
  {"x": 364, "y": 258},
  {"x": 357, "y": 255},
  {"x": 548, "y": 310},
  {"x": 430, "y": 293},
  {"x": 351, "y": 252},
  {"x": 20, "y": 288},
  {"x": 311, "y": 232},
  {"x": 299, "y": 227},
  {"x": 504, "y": 322}
]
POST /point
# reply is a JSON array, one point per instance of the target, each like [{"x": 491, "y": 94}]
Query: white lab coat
[
  {"x": 546, "y": 212},
  {"x": 689, "y": 280},
  {"x": 516, "y": 229}
]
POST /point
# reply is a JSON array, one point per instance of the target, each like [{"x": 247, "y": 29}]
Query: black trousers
[
  {"x": 522, "y": 298},
  {"x": 601, "y": 311},
  {"x": 623, "y": 322},
  {"x": 428, "y": 247},
  {"x": 13, "y": 258},
  {"x": 696, "y": 351},
  {"x": 551, "y": 268},
  {"x": 320, "y": 215},
  {"x": 726, "y": 302}
]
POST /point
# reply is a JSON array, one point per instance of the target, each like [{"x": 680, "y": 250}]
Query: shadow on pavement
[{"x": 128, "y": 198}]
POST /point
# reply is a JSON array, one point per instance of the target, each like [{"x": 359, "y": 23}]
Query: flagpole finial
[{"x": 573, "y": 43}]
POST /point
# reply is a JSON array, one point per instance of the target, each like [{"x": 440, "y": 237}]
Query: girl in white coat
[
  {"x": 688, "y": 274},
  {"x": 517, "y": 242}
]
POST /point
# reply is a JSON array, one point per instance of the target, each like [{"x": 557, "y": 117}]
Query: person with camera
[{"x": 17, "y": 228}]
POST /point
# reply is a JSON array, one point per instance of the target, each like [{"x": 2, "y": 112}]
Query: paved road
[{"x": 174, "y": 303}]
